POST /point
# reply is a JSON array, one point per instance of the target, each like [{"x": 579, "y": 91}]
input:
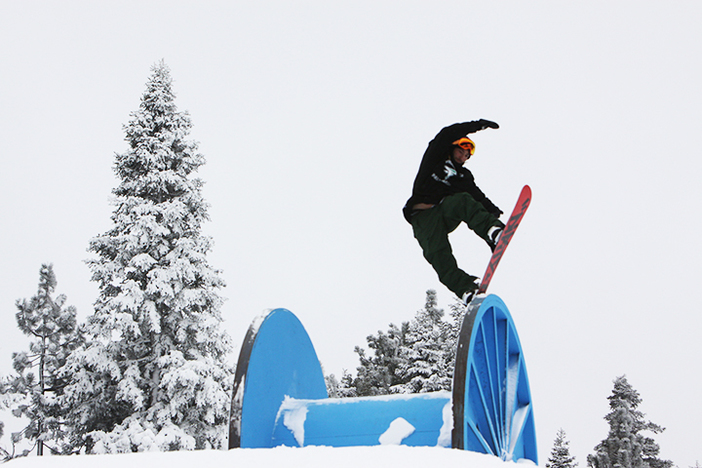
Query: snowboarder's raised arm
[
  {"x": 443, "y": 140},
  {"x": 449, "y": 134},
  {"x": 440, "y": 147}
]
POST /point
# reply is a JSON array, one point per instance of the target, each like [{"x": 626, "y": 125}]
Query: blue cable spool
[{"x": 280, "y": 397}]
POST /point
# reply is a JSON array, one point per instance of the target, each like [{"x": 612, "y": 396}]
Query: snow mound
[{"x": 288, "y": 457}]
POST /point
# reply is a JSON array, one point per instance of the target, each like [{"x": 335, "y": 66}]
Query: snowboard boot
[
  {"x": 494, "y": 234},
  {"x": 468, "y": 296}
]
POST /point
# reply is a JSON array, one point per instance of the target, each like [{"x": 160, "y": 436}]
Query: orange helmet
[{"x": 466, "y": 143}]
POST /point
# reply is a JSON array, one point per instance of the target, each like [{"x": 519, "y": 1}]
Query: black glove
[{"x": 487, "y": 124}]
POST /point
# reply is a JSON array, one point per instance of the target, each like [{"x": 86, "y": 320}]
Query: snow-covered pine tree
[
  {"x": 153, "y": 374},
  {"x": 52, "y": 328},
  {"x": 624, "y": 446},
  {"x": 377, "y": 374},
  {"x": 560, "y": 454},
  {"x": 427, "y": 363},
  {"x": 340, "y": 388},
  {"x": 415, "y": 357},
  {"x": 452, "y": 329},
  {"x": 4, "y": 454}
]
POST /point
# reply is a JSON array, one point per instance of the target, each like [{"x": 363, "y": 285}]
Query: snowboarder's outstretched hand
[{"x": 487, "y": 124}]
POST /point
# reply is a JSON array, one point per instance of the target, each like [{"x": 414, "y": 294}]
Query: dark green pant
[{"x": 432, "y": 227}]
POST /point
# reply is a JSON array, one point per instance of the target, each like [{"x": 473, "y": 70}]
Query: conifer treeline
[{"x": 416, "y": 357}]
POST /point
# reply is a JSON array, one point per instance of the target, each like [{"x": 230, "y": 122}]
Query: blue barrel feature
[
  {"x": 280, "y": 395},
  {"x": 492, "y": 407},
  {"x": 409, "y": 419}
]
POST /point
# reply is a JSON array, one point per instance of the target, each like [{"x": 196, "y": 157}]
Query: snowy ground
[{"x": 349, "y": 457}]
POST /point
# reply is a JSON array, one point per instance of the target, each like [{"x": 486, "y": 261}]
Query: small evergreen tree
[
  {"x": 153, "y": 374},
  {"x": 426, "y": 363},
  {"x": 4, "y": 454},
  {"x": 452, "y": 331},
  {"x": 624, "y": 446},
  {"x": 377, "y": 374},
  {"x": 54, "y": 333},
  {"x": 416, "y": 357},
  {"x": 560, "y": 454},
  {"x": 340, "y": 388}
]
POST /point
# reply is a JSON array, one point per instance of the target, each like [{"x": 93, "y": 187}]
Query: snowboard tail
[{"x": 509, "y": 230}]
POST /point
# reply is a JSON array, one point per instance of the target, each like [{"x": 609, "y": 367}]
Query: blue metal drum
[{"x": 280, "y": 396}]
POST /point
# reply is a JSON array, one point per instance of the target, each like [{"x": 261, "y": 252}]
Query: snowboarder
[{"x": 444, "y": 194}]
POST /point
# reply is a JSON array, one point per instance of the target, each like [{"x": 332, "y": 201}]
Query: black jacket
[{"x": 439, "y": 177}]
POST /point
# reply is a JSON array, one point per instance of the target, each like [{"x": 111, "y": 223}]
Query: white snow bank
[{"x": 287, "y": 457}]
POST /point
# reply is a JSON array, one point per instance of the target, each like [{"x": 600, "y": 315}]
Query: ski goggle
[{"x": 466, "y": 143}]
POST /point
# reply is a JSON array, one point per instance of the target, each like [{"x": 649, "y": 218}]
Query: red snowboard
[{"x": 507, "y": 233}]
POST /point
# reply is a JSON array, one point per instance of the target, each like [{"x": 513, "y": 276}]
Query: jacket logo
[{"x": 449, "y": 172}]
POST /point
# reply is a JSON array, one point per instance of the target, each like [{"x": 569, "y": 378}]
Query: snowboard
[{"x": 509, "y": 230}]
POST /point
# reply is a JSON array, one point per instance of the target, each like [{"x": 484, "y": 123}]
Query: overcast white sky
[{"x": 313, "y": 117}]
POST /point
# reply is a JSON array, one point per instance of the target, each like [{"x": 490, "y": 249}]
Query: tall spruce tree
[
  {"x": 560, "y": 454},
  {"x": 52, "y": 327},
  {"x": 625, "y": 446},
  {"x": 153, "y": 374}
]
